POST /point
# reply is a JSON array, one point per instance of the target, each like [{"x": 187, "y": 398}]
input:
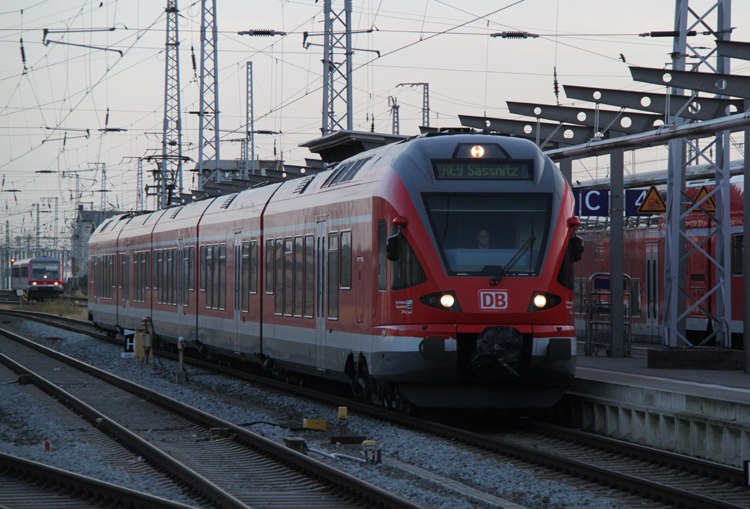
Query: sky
[{"x": 59, "y": 93}]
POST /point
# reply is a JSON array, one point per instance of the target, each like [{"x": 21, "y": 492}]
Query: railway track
[
  {"x": 227, "y": 464},
  {"x": 661, "y": 476},
  {"x": 27, "y": 484}
]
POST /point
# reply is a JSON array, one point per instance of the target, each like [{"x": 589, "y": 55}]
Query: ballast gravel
[{"x": 23, "y": 428}]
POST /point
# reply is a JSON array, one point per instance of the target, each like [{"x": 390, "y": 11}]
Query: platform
[{"x": 702, "y": 413}]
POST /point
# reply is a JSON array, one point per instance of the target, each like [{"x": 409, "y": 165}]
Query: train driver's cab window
[
  {"x": 406, "y": 271},
  {"x": 45, "y": 270},
  {"x": 482, "y": 234}
]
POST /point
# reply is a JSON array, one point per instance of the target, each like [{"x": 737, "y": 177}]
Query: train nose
[{"x": 497, "y": 355}]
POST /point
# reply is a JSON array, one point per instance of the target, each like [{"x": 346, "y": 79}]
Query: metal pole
[
  {"x": 746, "y": 253},
  {"x": 349, "y": 87},
  {"x": 38, "y": 228},
  {"x": 566, "y": 168},
  {"x": 327, "y": 69},
  {"x": 616, "y": 252}
]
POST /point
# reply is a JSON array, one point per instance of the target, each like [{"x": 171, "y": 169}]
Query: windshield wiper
[{"x": 526, "y": 245}]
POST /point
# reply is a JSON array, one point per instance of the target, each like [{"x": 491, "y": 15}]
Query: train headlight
[
  {"x": 540, "y": 301},
  {"x": 441, "y": 300},
  {"x": 543, "y": 300},
  {"x": 447, "y": 300},
  {"x": 33, "y": 283}
]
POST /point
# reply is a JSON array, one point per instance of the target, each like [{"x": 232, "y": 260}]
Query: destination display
[{"x": 483, "y": 169}]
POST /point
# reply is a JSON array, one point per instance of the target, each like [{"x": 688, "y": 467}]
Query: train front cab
[
  {"x": 455, "y": 331},
  {"x": 41, "y": 277}
]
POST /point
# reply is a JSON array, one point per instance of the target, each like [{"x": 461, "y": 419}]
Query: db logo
[{"x": 493, "y": 299}]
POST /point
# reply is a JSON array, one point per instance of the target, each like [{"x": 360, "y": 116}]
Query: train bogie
[{"x": 375, "y": 274}]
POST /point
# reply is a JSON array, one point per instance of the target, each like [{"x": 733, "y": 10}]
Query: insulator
[
  {"x": 515, "y": 35},
  {"x": 263, "y": 32}
]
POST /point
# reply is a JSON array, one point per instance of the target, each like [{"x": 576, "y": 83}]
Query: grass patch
[{"x": 59, "y": 308}]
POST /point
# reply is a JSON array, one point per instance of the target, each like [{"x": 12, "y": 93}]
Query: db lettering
[{"x": 493, "y": 299}]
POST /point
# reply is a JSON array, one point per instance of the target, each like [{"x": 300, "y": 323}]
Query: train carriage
[
  {"x": 436, "y": 271},
  {"x": 40, "y": 277},
  {"x": 644, "y": 246}
]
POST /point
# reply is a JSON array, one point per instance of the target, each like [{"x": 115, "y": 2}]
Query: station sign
[{"x": 638, "y": 202}]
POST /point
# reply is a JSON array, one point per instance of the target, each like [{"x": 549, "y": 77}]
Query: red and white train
[
  {"x": 435, "y": 270},
  {"x": 40, "y": 277},
  {"x": 644, "y": 247}
]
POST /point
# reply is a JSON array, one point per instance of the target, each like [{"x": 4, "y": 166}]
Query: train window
[
  {"x": 203, "y": 269},
  {"x": 309, "y": 276},
  {"x": 25, "y": 271},
  {"x": 599, "y": 252},
  {"x": 254, "y": 266},
  {"x": 382, "y": 260},
  {"x": 168, "y": 276},
  {"x": 209, "y": 270},
  {"x": 269, "y": 266},
  {"x": 222, "y": 286},
  {"x": 278, "y": 277},
  {"x": 147, "y": 272},
  {"x": 346, "y": 260},
  {"x": 175, "y": 275},
  {"x": 288, "y": 276},
  {"x": 191, "y": 268},
  {"x": 245, "y": 276},
  {"x": 635, "y": 297},
  {"x": 737, "y": 254},
  {"x": 299, "y": 275},
  {"x": 406, "y": 271},
  {"x": 577, "y": 300},
  {"x": 333, "y": 276},
  {"x": 17, "y": 272},
  {"x": 121, "y": 271},
  {"x": 184, "y": 276}
]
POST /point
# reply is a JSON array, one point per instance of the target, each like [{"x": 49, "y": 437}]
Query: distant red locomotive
[
  {"x": 40, "y": 277},
  {"x": 435, "y": 271},
  {"x": 644, "y": 246}
]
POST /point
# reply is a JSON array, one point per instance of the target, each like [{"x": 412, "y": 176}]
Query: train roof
[{"x": 37, "y": 259}]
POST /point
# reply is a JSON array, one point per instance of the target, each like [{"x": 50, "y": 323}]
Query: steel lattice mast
[
  {"x": 337, "y": 69},
  {"x": 680, "y": 302},
  {"x": 209, "y": 99},
  {"x": 170, "y": 181}
]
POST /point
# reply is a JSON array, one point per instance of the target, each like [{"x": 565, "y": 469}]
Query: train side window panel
[
  {"x": 577, "y": 296},
  {"x": 222, "y": 286},
  {"x": 288, "y": 276},
  {"x": 346, "y": 260},
  {"x": 479, "y": 234},
  {"x": 185, "y": 276},
  {"x": 16, "y": 272},
  {"x": 254, "y": 267},
  {"x": 25, "y": 271},
  {"x": 599, "y": 252},
  {"x": 382, "y": 259},
  {"x": 278, "y": 277},
  {"x": 635, "y": 297},
  {"x": 209, "y": 269},
  {"x": 148, "y": 271},
  {"x": 299, "y": 275},
  {"x": 245, "y": 276},
  {"x": 737, "y": 254},
  {"x": 406, "y": 272},
  {"x": 204, "y": 268},
  {"x": 215, "y": 281},
  {"x": 175, "y": 275},
  {"x": 333, "y": 276},
  {"x": 309, "y": 276},
  {"x": 269, "y": 266},
  {"x": 191, "y": 268}
]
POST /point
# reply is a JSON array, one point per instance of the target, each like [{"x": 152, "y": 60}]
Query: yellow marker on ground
[{"x": 320, "y": 424}]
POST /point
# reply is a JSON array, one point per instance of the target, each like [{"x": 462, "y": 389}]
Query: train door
[
  {"x": 652, "y": 290},
  {"x": 237, "y": 291},
  {"x": 360, "y": 289},
  {"x": 320, "y": 295}
]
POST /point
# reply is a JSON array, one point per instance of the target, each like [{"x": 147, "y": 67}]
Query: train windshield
[
  {"x": 479, "y": 234},
  {"x": 45, "y": 270}
]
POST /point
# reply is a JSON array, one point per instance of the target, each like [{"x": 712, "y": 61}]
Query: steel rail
[
  {"x": 640, "y": 486},
  {"x": 76, "y": 486},
  {"x": 151, "y": 453},
  {"x": 360, "y": 489}
]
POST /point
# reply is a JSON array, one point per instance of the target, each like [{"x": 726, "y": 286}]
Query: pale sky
[{"x": 66, "y": 90}]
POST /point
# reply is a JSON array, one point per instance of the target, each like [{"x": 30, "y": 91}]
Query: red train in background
[
  {"x": 40, "y": 277},
  {"x": 644, "y": 247},
  {"x": 435, "y": 271}
]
